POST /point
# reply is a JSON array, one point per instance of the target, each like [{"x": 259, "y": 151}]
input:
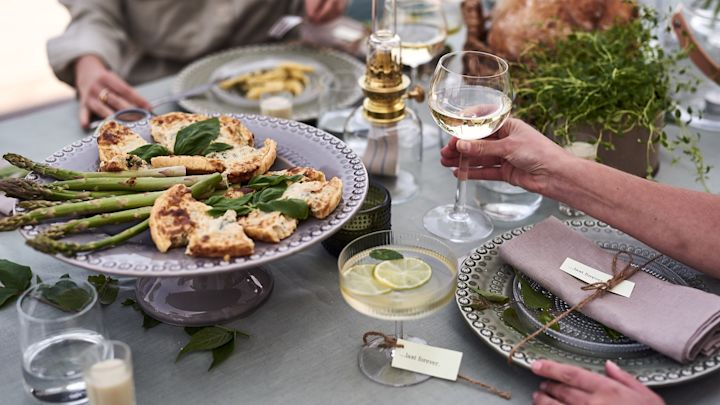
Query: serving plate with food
[
  {"x": 182, "y": 197},
  {"x": 244, "y": 84},
  {"x": 334, "y": 66}
]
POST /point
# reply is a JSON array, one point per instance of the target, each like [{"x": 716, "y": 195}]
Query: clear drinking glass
[
  {"x": 109, "y": 375},
  {"x": 334, "y": 91},
  {"x": 397, "y": 290},
  {"x": 54, "y": 342},
  {"x": 467, "y": 106}
]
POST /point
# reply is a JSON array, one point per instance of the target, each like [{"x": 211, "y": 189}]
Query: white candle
[
  {"x": 110, "y": 382},
  {"x": 583, "y": 150},
  {"x": 276, "y": 106}
]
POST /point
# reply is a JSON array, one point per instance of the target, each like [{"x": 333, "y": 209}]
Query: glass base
[
  {"x": 505, "y": 202},
  {"x": 375, "y": 363},
  {"x": 471, "y": 226},
  {"x": 402, "y": 188},
  {"x": 570, "y": 211}
]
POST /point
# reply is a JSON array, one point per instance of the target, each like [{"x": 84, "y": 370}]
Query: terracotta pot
[{"x": 630, "y": 153}]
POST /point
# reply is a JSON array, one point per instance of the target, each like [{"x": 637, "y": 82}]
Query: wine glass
[
  {"x": 470, "y": 98},
  {"x": 395, "y": 276}
]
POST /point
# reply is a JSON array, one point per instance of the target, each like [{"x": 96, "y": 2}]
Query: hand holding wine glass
[{"x": 468, "y": 107}]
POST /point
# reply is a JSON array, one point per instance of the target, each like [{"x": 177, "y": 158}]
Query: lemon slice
[
  {"x": 359, "y": 280},
  {"x": 403, "y": 274}
]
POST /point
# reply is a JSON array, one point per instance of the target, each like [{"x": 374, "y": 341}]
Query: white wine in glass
[
  {"x": 420, "y": 42},
  {"x": 470, "y": 98},
  {"x": 395, "y": 276}
]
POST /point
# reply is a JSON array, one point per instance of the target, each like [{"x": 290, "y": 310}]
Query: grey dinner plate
[
  {"x": 580, "y": 341},
  {"x": 202, "y": 71},
  {"x": 298, "y": 145}
]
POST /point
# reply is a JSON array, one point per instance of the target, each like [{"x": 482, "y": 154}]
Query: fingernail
[
  {"x": 463, "y": 146},
  {"x": 535, "y": 395},
  {"x": 536, "y": 366},
  {"x": 543, "y": 385}
]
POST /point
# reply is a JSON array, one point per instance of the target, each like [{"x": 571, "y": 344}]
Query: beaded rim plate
[
  {"x": 484, "y": 269},
  {"x": 298, "y": 145},
  {"x": 201, "y": 71}
]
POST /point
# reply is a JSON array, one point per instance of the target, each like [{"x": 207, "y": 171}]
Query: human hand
[
  {"x": 517, "y": 153},
  {"x": 322, "y": 11},
  {"x": 574, "y": 385},
  {"x": 101, "y": 91}
]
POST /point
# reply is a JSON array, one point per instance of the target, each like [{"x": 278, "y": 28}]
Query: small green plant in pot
[{"x": 614, "y": 87}]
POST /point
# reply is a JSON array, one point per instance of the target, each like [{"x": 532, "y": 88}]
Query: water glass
[
  {"x": 335, "y": 90},
  {"x": 54, "y": 342},
  {"x": 109, "y": 375}
]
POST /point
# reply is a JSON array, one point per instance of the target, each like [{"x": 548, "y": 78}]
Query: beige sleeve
[{"x": 96, "y": 27}]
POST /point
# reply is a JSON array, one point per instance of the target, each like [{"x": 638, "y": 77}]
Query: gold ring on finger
[{"x": 103, "y": 95}]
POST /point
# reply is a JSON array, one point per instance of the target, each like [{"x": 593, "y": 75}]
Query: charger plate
[
  {"x": 580, "y": 341},
  {"x": 298, "y": 145}
]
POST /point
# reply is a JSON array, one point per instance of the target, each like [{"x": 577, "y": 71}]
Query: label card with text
[
  {"x": 429, "y": 360},
  {"x": 590, "y": 275}
]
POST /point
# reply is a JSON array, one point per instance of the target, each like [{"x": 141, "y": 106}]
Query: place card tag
[
  {"x": 429, "y": 360},
  {"x": 590, "y": 275}
]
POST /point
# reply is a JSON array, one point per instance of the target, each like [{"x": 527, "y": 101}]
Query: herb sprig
[
  {"x": 193, "y": 140},
  {"x": 266, "y": 197}
]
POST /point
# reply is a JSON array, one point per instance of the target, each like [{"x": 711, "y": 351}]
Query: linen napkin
[
  {"x": 679, "y": 322},
  {"x": 381, "y": 156}
]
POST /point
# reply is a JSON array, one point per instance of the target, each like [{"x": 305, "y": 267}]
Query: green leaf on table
[
  {"x": 195, "y": 138},
  {"x": 8, "y": 293},
  {"x": 13, "y": 275},
  {"x": 490, "y": 296},
  {"x": 106, "y": 287},
  {"x": 291, "y": 207},
  {"x": 385, "y": 254},
  {"x": 268, "y": 180},
  {"x": 533, "y": 298},
  {"x": 207, "y": 338},
  {"x": 222, "y": 353},
  {"x": 611, "y": 333},
  {"x": 65, "y": 295},
  {"x": 38, "y": 280},
  {"x": 130, "y": 302},
  {"x": 545, "y": 317},
  {"x": 149, "y": 151},
  {"x": 511, "y": 318},
  {"x": 217, "y": 147},
  {"x": 191, "y": 330}
]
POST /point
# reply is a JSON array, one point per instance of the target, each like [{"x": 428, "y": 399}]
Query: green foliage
[
  {"x": 268, "y": 190},
  {"x": 65, "y": 295},
  {"x": 385, "y": 254},
  {"x": 149, "y": 151},
  {"x": 15, "y": 279},
  {"x": 217, "y": 339},
  {"x": 613, "y": 81},
  {"x": 106, "y": 287}
]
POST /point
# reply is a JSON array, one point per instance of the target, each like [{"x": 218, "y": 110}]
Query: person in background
[
  {"x": 112, "y": 45},
  {"x": 663, "y": 217}
]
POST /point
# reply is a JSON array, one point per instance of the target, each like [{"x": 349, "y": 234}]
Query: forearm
[{"x": 680, "y": 223}]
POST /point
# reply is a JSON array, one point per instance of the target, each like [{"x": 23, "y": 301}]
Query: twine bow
[
  {"x": 390, "y": 342},
  {"x": 599, "y": 289}
]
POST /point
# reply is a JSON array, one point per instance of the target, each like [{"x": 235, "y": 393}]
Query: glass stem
[
  {"x": 459, "y": 211},
  {"x": 399, "y": 330},
  {"x": 412, "y": 103}
]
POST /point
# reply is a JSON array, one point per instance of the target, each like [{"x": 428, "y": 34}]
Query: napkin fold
[
  {"x": 677, "y": 321},
  {"x": 381, "y": 156}
]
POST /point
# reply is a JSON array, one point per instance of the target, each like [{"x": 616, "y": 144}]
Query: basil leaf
[
  {"x": 269, "y": 180},
  {"x": 385, "y": 254},
  {"x": 292, "y": 207},
  {"x": 106, "y": 287},
  {"x": 130, "y": 302},
  {"x": 217, "y": 147},
  {"x": 191, "y": 330},
  {"x": 149, "y": 151},
  {"x": 65, "y": 295},
  {"x": 148, "y": 321},
  {"x": 545, "y": 317},
  {"x": 490, "y": 296},
  {"x": 611, "y": 333},
  {"x": 270, "y": 193},
  {"x": 511, "y": 318},
  {"x": 532, "y": 298},
  {"x": 206, "y": 339},
  {"x": 195, "y": 138},
  {"x": 221, "y": 204},
  {"x": 15, "y": 276},
  {"x": 222, "y": 353}
]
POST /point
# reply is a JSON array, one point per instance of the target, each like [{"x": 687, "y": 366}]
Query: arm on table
[
  {"x": 86, "y": 54},
  {"x": 667, "y": 218}
]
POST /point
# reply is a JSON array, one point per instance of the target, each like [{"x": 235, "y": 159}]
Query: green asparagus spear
[
  {"x": 79, "y": 225},
  {"x": 35, "y": 204},
  {"x": 136, "y": 184},
  {"x": 101, "y": 205},
  {"x": 29, "y": 190},
  {"x": 66, "y": 174},
  {"x": 52, "y": 246},
  {"x": 11, "y": 171}
]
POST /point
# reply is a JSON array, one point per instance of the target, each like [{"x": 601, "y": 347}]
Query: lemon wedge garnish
[
  {"x": 359, "y": 280},
  {"x": 403, "y": 274}
]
